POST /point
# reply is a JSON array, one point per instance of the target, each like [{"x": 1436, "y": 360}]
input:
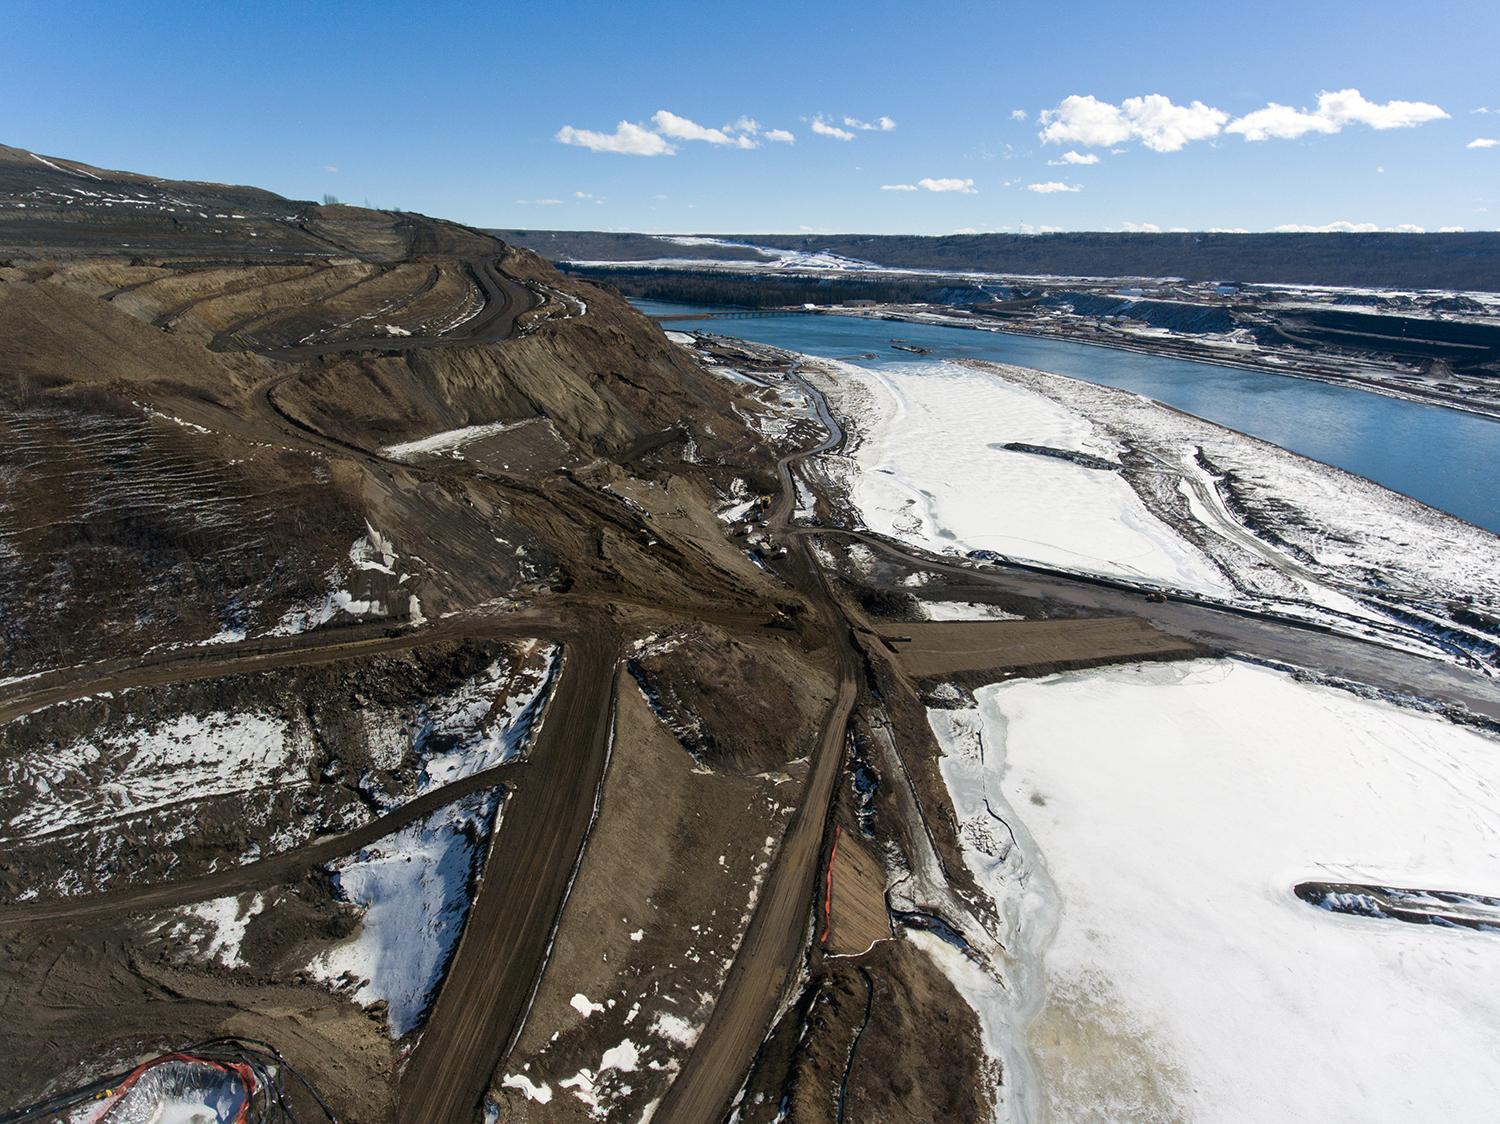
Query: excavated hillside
[{"x": 396, "y": 637}]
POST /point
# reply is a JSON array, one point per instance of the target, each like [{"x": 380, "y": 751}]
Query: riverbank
[{"x": 1358, "y": 374}]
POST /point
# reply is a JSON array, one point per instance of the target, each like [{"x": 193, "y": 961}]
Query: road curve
[
  {"x": 505, "y": 300},
  {"x": 532, "y": 859}
]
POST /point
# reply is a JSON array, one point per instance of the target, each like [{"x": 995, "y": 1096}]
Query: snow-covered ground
[
  {"x": 138, "y": 766},
  {"x": 931, "y": 470},
  {"x": 966, "y": 611},
  {"x": 371, "y": 553},
  {"x": 413, "y": 888},
  {"x": 487, "y": 719},
  {"x": 1114, "y": 484},
  {"x": 1140, "y": 829},
  {"x": 217, "y": 927},
  {"x": 450, "y": 442}
]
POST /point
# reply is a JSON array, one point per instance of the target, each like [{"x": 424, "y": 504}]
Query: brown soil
[
  {"x": 856, "y": 917},
  {"x": 939, "y": 650}
]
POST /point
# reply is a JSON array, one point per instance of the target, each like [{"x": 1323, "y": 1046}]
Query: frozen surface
[
  {"x": 1140, "y": 829},
  {"x": 932, "y": 470},
  {"x": 1107, "y": 482},
  {"x": 413, "y": 888}
]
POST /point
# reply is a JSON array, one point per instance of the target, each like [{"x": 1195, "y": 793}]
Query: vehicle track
[
  {"x": 522, "y": 890},
  {"x": 765, "y": 966}
]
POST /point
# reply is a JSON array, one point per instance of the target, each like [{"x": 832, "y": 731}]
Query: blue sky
[{"x": 457, "y": 109}]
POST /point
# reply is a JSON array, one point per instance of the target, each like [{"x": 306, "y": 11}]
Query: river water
[{"x": 1445, "y": 458}]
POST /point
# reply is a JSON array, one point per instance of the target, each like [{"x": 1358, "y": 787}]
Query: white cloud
[
  {"x": 1450, "y": 230},
  {"x": 1228, "y": 230},
  {"x": 1351, "y": 107},
  {"x": 1052, "y": 187},
  {"x": 628, "y": 140},
  {"x": 745, "y": 125},
  {"x": 963, "y": 187},
  {"x": 1482, "y": 142},
  {"x": 879, "y": 125},
  {"x": 1335, "y": 110},
  {"x": 967, "y": 230},
  {"x": 1018, "y": 115},
  {"x": 1281, "y": 122},
  {"x": 779, "y": 135},
  {"x": 1154, "y": 120},
  {"x": 1163, "y": 126},
  {"x": 1345, "y": 227},
  {"x": 1027, "y": 228},
  {"x": 330, "y": 167},
  {"x": 1140, "y": 228},
  {"x": 583, "y": 195},
  {"x": 1071, "y": 157},
  {"x": 547, "y": 202},
  {"x": 824, "y": 129},
  {"x": 680, "y": 128}
]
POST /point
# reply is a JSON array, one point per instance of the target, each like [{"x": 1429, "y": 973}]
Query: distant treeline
[
  {"x": 756, "y": 291},
  {"x": 1426, "y": 261}
]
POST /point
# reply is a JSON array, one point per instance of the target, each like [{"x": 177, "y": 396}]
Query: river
[{"x": 1445, "y": 458}]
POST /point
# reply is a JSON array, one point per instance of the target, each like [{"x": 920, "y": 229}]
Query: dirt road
[
  {"x": 505, "y": 299},
  {"x": 772, "y": 949},
  {"x": 532, "y": 859}
]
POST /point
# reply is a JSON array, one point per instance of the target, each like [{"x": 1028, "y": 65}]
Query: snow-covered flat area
[
  {"x": 968, "y": 457},
  {"x": 1140, "y": 829},
  {"x": 413, "y": 889},
  {"x": 932, "y": 470}
]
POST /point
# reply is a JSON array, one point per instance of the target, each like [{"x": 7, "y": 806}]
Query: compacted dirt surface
[{"x": 415, "y": 661}]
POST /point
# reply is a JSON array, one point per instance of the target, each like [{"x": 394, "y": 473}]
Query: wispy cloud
[
  {"x": 666, "y": 127},
  {"x": 824, "y": 129},
  {"x": 628, "y": 139},
  {"x": 1052, "y": 187},
  {"x": 928, "y": 183},
  {"x": 1071, "y": 157},
  {"x": 1482, "y": 142},
  {"x": 879, "y": 125},
  {"x": 1019, "y": 115},
  {"x": 1140, "y": 228},
  {"x": 671, "y": 125}
]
